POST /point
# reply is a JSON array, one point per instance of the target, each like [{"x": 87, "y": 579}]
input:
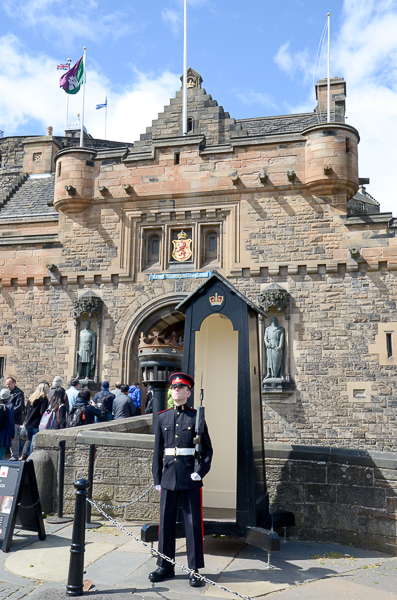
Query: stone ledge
[
  {"x": 363, "y": 458},
  {"x": 45, "y": 238},
  {"x": 369, "y": 219}
]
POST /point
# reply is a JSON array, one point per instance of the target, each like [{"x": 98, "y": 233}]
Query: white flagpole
[
  {"x": 328, "y": 80},
  {"x": 82, "y": 110},
  {"x": 184, "y": 110},
  {"x": 106, "y": 110}
]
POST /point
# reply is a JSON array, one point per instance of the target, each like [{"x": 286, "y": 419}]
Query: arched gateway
[{"x": 158, "y": 316}]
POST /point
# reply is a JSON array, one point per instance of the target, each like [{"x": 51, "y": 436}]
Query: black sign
[{"x": 19, "y": 501}]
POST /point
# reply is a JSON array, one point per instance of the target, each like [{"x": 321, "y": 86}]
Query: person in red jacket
[{"x": 175, "y": 477}]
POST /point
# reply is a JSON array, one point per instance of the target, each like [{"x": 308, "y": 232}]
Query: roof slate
[
  {"x": 281, "y": 124},
  {"x": 31, "y": 198}
]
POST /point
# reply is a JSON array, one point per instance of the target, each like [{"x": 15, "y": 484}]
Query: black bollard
[
  {"x": 61, "y": 476},
  {"x": 74, "y": 586}
]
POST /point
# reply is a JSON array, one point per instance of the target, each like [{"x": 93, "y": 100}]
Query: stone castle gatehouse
[{"x": 119, "y": 234}]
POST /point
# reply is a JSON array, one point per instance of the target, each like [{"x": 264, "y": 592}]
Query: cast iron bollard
[
  {"x": 76, "y": 565},
  {"x": 61, "y": 477}
]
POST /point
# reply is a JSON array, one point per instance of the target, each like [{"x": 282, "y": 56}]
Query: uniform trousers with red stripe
[{"x": 191, "y": 502}]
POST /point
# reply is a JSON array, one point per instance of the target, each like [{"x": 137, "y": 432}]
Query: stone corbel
[
  {"x": 274, "y": 295},
  {"x": 88, "y": 303}
]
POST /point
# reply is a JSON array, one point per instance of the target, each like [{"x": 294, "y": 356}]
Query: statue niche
[
  {"x": 87, "y": 338},
  {"x": 86, "y": 352},
  {"x": 274, "y": 344},
  {"x": 277, "y": 383}
]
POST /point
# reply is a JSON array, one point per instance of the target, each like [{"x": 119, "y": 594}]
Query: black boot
[
  {"x": 162, "y": 573},
  {"x": 194, "y": 581}
]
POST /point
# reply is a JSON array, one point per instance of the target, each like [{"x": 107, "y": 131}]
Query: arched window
[
  {"x": 189, "y": 124},
  {"x": 153, "y": 249}
]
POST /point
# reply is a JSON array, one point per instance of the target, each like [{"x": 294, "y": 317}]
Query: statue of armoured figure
[
  {"x": 86, "y": 351},
  {"x": 274, "y": 342}
]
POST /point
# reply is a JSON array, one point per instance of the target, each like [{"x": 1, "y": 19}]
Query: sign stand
[{"x": 20, "y": 505}]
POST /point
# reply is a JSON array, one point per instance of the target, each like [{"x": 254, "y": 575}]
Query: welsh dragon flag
[{"x": 72, "y": 81}]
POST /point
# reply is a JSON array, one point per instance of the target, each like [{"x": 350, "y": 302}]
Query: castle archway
[{"x": 159, "y": 315}]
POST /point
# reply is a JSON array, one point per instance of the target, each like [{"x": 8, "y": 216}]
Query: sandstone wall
[{"x": 336, "y": 495}]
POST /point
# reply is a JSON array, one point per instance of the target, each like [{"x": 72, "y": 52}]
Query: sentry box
[{"x": 221, "y": 351}]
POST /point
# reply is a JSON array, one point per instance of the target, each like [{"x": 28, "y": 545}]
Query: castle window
[
  {"x": 176, "y": 158},
  {"x": 210, "y": 245},
  {"x": 153, "y": 249},
  {"x": 2, "y": 365},
  {"x": 189, "y": 124},
  {"x": 389, "y": 346},
  {"x": 59, "y": 169},
  {"x": 347, "y": 145}
]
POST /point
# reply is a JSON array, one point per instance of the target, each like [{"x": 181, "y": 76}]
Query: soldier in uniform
[{"x": 175, "y": 477}]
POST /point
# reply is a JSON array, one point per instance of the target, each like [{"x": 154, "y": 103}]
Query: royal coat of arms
[{"x": 182, "y": 247}]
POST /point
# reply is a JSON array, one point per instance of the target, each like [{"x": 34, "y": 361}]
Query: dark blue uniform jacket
[{"x": 176, "y": 429}]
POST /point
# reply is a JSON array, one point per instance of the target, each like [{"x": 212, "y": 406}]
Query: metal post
[
  {"x": 61, "y": 477},
  {"x": 91, "y": 459},
  {"x": 74, "y": 585}
]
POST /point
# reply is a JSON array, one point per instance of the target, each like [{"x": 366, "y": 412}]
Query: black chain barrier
[{"x": 156, "y": 552}]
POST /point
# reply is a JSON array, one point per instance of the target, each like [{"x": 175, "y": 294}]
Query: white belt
[{"x": 179, "y": 451}]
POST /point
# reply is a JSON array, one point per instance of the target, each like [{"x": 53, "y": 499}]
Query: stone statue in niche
[
  {"x": 86, "y": 352},
  {"x": 274, "y": 343}
]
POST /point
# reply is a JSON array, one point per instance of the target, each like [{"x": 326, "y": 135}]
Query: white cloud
[
  {"x": 68, "y": 19},
  {"x": 33, "y": 96},
  {"x": 173, "y": 19},
  {"x": 364, "y": 52},
  {"x": 294, "y": 64}
]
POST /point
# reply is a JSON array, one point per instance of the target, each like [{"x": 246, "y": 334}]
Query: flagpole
[
  {"x": 328, "y": 79},
  {"x": 82, "y": 110},
  {"x": 67, "y": 103},
  {"x": 106, "y": 111},
  {"x": 184, "y": 111}
]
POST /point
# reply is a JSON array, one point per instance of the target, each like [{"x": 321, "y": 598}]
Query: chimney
[
  {"x": 49, "y": 131},
  {"x": 338, "y": 95}
]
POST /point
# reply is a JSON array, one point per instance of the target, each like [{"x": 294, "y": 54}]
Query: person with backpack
[
  {"x": 55, "y": 417},
  {"x": 34, "y": 410},
  {"x": 7, "y": 425},
  {"x": 84, "y": 411},
  {"x": 104, "y": 401}
]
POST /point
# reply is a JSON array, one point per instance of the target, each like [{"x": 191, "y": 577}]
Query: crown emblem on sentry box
[{"x": 216, "y": 300}]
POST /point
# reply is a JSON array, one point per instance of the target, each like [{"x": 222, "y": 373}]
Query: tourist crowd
[{"x": 56, "y": 408}]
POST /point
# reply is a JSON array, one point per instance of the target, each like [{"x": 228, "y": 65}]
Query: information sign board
[{"x": 19, "y": 501}]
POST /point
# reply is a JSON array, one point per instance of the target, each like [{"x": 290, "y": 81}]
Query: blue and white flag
[{"x": 102, "y": 105}]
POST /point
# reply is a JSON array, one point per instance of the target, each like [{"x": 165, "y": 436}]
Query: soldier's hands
[
  {"x": 195, "y": 477},
  {"x": 158, "y": 488}
]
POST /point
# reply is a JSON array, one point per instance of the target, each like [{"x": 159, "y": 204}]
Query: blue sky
[{"x": 256, "y": 59}]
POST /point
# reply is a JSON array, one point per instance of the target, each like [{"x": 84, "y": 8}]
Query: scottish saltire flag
[
  {"x": 64, "y": 67},
  {"x": 72, "y": 81},
  {"x": 102, "y": 105}
]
